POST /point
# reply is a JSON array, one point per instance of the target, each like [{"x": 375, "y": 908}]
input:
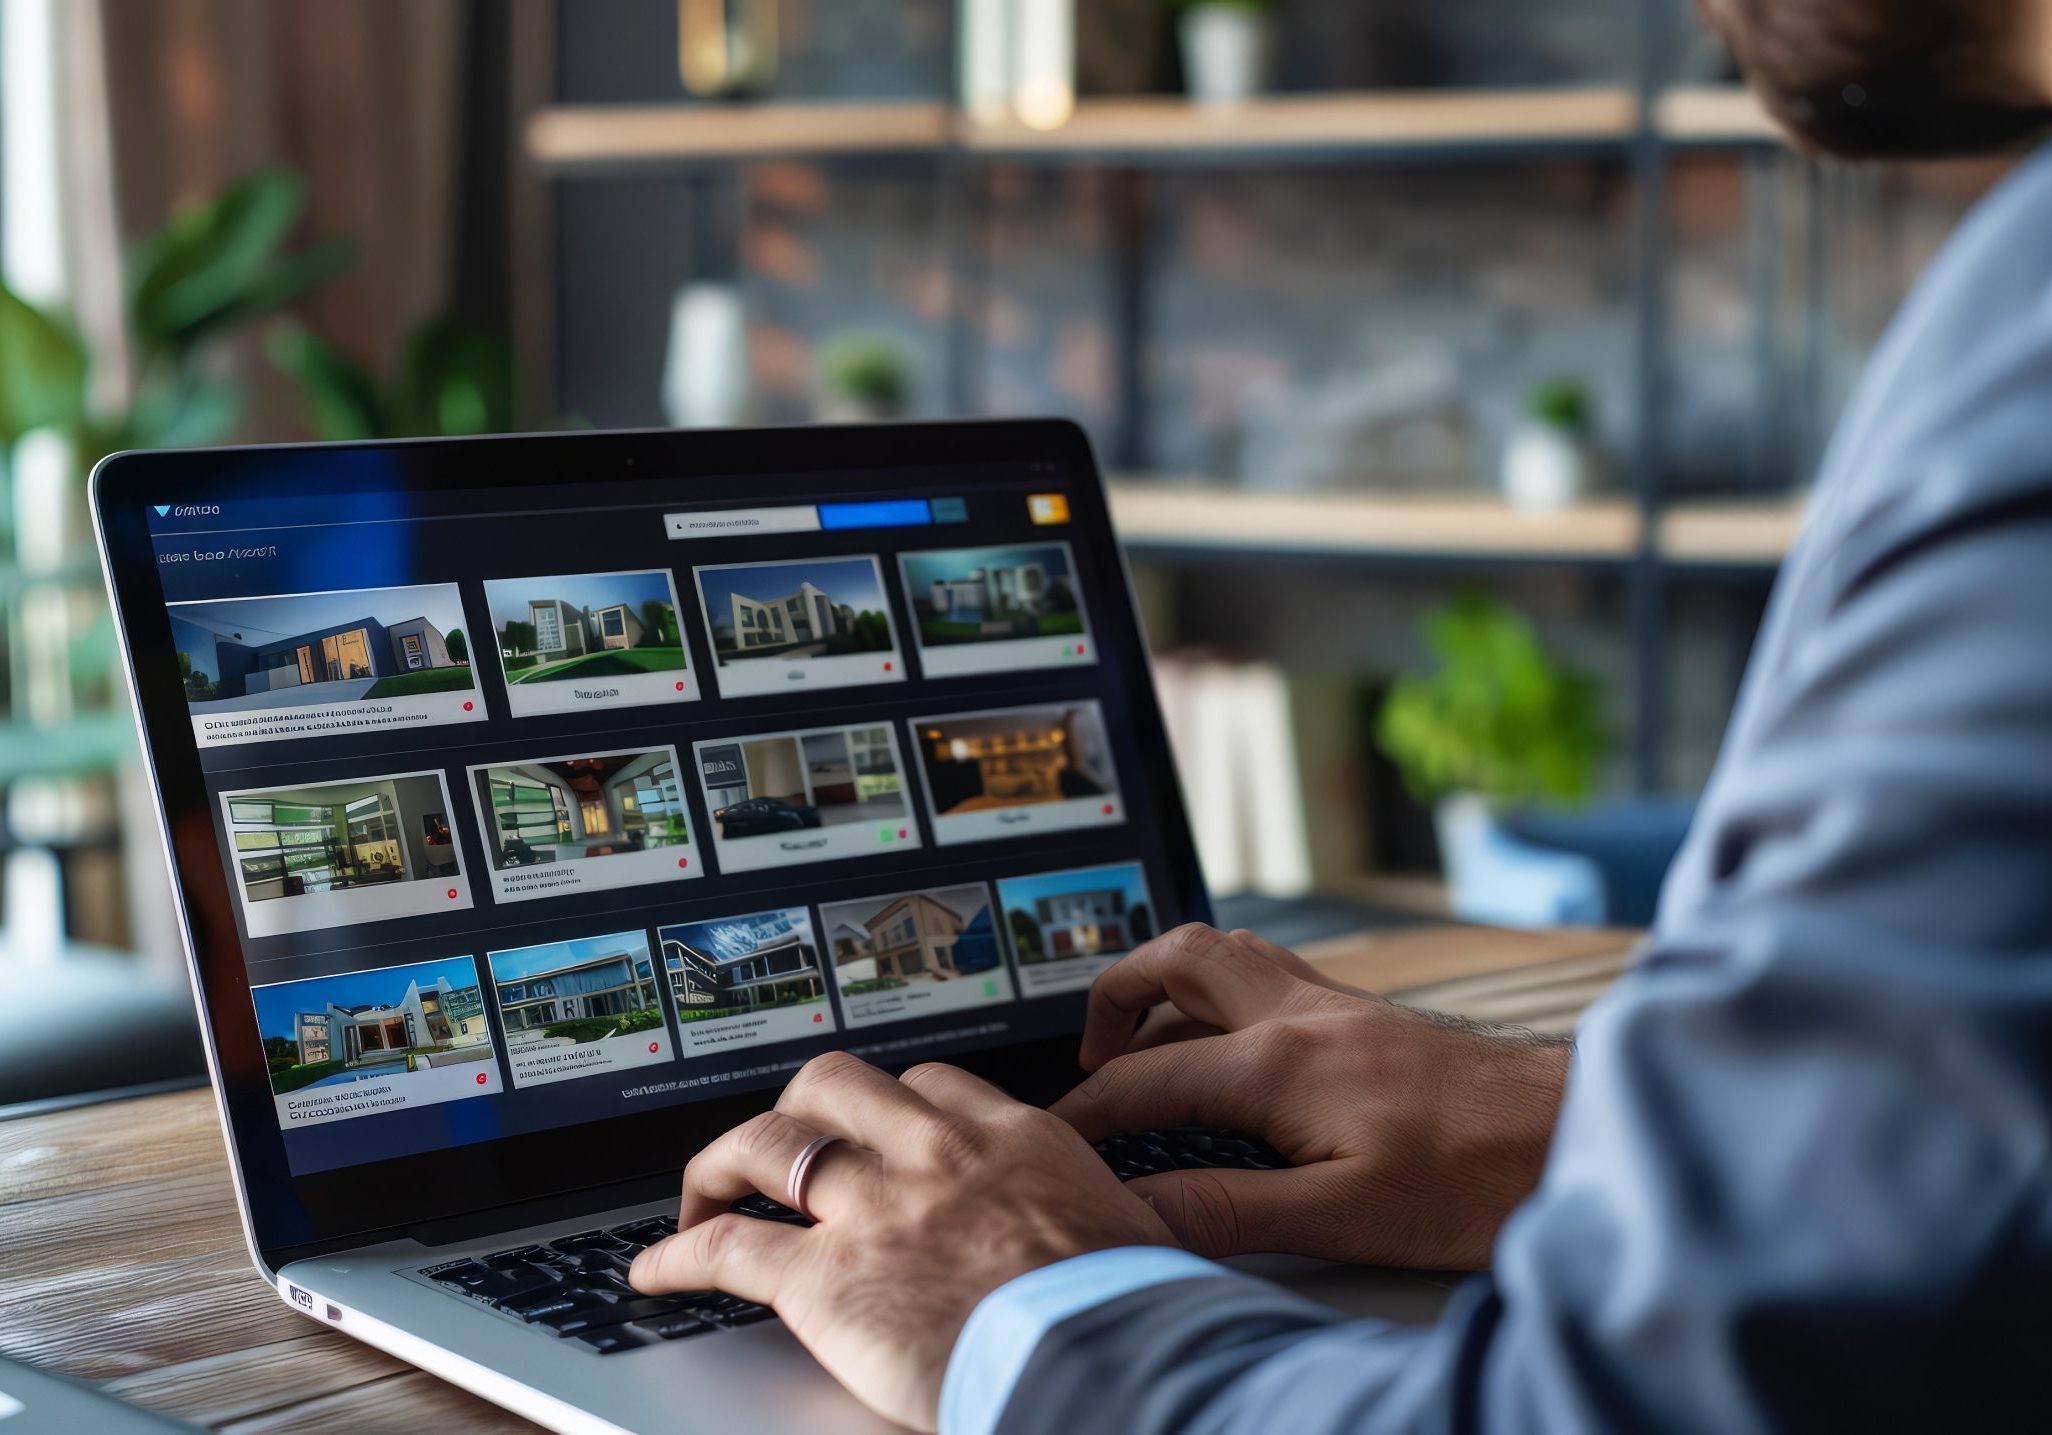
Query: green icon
[
  {"x": 990, "y": 989},
  {"x": 883, "y": 834}
]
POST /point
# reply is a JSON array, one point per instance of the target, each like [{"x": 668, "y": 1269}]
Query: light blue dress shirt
[{"x": 1802, "y": 1178}]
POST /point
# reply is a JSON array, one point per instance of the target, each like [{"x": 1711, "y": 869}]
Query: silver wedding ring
[{"x": 801, "y": 1173}]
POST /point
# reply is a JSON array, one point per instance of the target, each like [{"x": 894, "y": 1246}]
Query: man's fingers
[
  {"x": 757, "y": 1156},
  {"x": 1234, "y": 1213},
  {"x": 736, "y": 1254},
  {"x": 949, "y": 1088},
  {"x": 1288, "y": 960},
  {"x": 1209, "y": 976},
  {"x": 1165, "y": 1026},
  {"x": 1190, "y": 1083},
  {"x": 846, "y": 1096}
]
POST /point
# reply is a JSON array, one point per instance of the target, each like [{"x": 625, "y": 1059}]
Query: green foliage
[
  {"x": 1026, "y": 936},
  {"x": 214, "y": 267},
  {"x": 1561, "y": 404},
  {"x": 867, "y": 369},
  {"x": 453, "y": 380},
  {"x": 457, "y": 644},
  {"x": 1495, "y": 715},
  {"x": 42, "y": 370}
]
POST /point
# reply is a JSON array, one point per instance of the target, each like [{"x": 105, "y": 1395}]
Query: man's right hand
[{"x": 1411, "y": 1136}]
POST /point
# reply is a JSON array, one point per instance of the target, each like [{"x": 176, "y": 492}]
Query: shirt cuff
[{"x": 1008, "y": 1324}]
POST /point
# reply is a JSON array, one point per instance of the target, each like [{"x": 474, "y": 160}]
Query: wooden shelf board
[
  {"x": 1713, "y": 114},
  {"x": 1737, "y": 531},
  {"x": 1177, "y": 515},
  {"x": 566, "y": 136},
  {"x": 1170, "y": 124}
]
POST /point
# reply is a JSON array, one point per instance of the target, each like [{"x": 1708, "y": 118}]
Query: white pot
[
  {"x": 1227, "y": 51},
  {"x": 1546, "y": 469},
  {"x": 705, "y": 372}
]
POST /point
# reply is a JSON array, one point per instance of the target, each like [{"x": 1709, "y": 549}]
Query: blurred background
[{"x": 1459, "y": 368}]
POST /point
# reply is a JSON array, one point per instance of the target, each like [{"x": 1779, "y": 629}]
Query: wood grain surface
[{"x": 122, "y": 1258}]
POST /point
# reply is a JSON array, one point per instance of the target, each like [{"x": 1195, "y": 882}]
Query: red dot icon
[
  {"x": 680, "y": 687},
  {"x": 903, "y": 834},
  {"x": 452, "y": 894},
  {"x": 470, "y": 707},
  {"x": 890, "y": 667},
  {"x": 480, "y": 1078},
  {"x": 683, "y": 861},
  {"x": 818, "y": 1017},
  {"x": 655, "y": 1046},
  {"x": 1107, "y": 809}
]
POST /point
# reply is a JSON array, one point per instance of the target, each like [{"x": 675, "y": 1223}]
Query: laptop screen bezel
[{"x": 291, "y": 1217}]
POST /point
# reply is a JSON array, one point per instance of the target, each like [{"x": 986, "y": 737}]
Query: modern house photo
[
  {"x": 977, "y": 762},
  {"x": 992, "y": 595},
  {"x": 794, "y": 781},
  {"x": 579, "y": 1007},
  {"x": 340, "y": 837},
  {"x": 377, "y": 644},
  {"x": 797, "y": 610},
  {"x": 573, "y": 809},
  {"x": 737, "y": 966},
  {"x": 588, "y": 626},
  {"x": 372, "y": 1025},
  {"x": 935, "y": 936},
  {"x": 1065, "y": 916}
]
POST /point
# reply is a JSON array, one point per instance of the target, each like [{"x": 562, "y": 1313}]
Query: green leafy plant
[
  {"x": 868, "y": 370},
  {"x": 216, "y": 267},
  {"x": 1561, "y": 404},
  {"x": 1494, "y": 715},
  {"x": 453, "y": 379}
]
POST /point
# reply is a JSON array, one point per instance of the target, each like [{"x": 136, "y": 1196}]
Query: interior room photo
[{"x": 1532, "y": 510}]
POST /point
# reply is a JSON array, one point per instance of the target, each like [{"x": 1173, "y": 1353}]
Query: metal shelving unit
[{"x": 1640, "y": 125}]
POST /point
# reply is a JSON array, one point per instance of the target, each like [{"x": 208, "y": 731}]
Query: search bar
[{"x": 725, "y": 522}]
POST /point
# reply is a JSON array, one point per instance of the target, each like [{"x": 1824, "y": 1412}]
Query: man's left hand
[{"x": 942, "y": 1189}]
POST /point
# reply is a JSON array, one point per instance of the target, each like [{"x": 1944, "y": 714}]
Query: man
[{"x": 1799, "y": 1176}]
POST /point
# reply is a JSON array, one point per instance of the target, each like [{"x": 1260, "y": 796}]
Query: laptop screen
[{"x": 542, "y": 804}]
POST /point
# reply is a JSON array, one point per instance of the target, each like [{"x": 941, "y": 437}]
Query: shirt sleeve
[{"x": 1802, "y": 1179}]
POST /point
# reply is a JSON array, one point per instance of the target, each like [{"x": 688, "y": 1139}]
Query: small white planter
[
  {"x": 1546, "y": 469},
  {"x": 1227, "y": 53}
]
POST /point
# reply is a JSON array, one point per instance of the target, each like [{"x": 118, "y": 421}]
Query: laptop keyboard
[{"x": 575, "y": 1287}]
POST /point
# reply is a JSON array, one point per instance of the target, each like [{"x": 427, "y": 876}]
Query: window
[
  {"x": 533, "y": 812},
  {"x": 613, "y": 622}
]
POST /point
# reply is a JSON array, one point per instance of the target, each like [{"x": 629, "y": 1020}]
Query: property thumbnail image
[
  {"x": 915, "y": 953},
  {"x": 752, "y": 979},
  {"x": 254, "y": 667},
  {"x": 549, "y": 823},
  {"x": 344, "y": 852},
  {"x": 580, "y": 1007},
  {"x": 591, "y": 639},
  {"x": 982, "y": 610},
  {"x": 364, "y": 1042},
  {"x": 821, "y": 622},
  {"x": 1066, "y": 927},
  {"x": 1024, "y": 769},
  {"x": 805, "y": 796}
]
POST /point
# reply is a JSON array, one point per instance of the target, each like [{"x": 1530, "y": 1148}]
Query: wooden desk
[{"x": 122, "y": 1262}]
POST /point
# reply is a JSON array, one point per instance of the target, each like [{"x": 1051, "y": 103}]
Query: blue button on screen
[
  {"x": 890, "y": 513},
  {"x": 950, "y": 510}
]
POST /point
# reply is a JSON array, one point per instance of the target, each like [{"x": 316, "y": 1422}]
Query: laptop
[{"x": 537, "y": 805}]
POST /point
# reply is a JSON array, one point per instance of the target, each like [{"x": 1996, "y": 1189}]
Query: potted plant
[
  {"x": 1551, "y": 462},
  {"x": 1493, "y": 728},
  {"x": 1228, "y": 48},
  {"x": 863, "y": 379}
]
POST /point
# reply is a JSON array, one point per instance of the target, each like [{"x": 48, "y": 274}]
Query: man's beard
[{"x": 1900, "y": 79}]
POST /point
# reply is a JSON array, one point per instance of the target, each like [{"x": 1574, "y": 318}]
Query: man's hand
[
  {"x": 1412, "y": 1136},
  {"x": 942, "y": 1190}
]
